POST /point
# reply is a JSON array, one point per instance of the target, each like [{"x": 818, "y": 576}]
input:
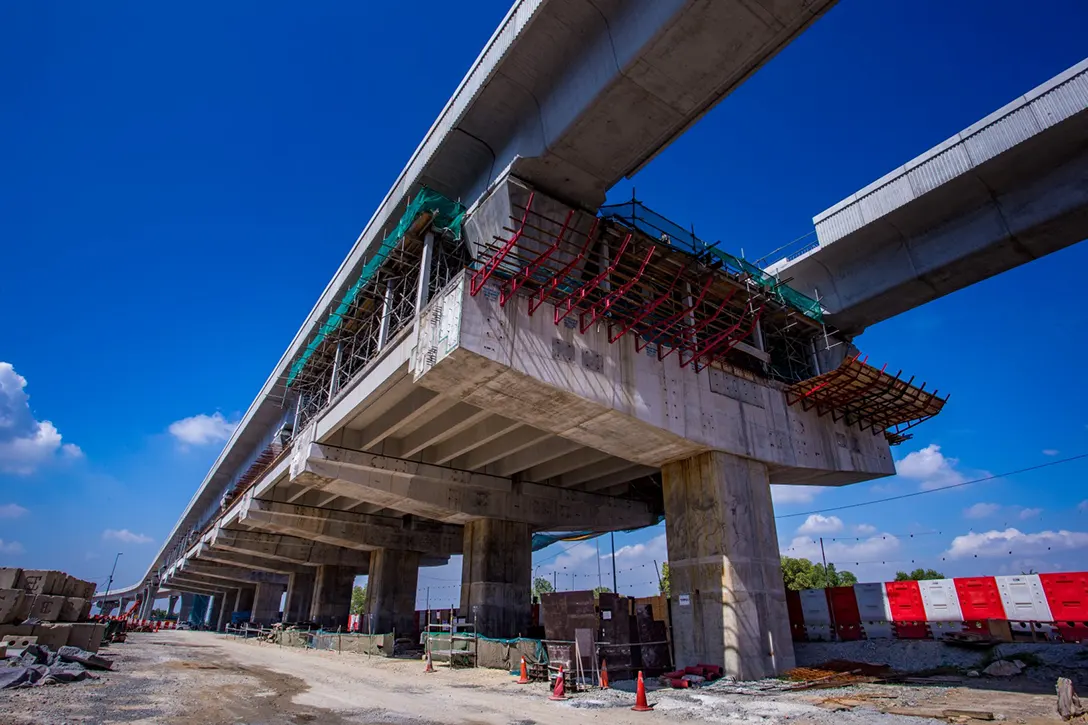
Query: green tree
[
  {"x": 663, "y": 585},
  {"x": 159, "y": 614},
  {"x": 597, "y": 591},
  {"x": 918, "y": 575},
  {"x": 358, "y": 600},
  {"x": 800, "y": 574},
  {"x": 542, "y": 586}
]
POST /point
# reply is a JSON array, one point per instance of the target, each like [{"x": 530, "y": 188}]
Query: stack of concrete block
[{"x": 60, "y": 603}]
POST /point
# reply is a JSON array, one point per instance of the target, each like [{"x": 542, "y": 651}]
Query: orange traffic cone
[
  {"x": 604, "y": 674},
  {"x": 430, "y": 664},
  {"x": 524, "y": 678},
  {"x": 560, "y": 691},
  {"x": 640, "y": 697}
]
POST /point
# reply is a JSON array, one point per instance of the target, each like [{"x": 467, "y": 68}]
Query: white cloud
[
  {"x": 1083, "y": 506},
  {"x": 11, "y": 547},
  {"x": 818, "y": 524},
  {"x": 1001, "y": 543},
  {"x": 1026, "y": 514},
  {"x": 202, "y": 429},
  {"x": 11, "y": 511},
  {"x": 1051, "y": 451},
  {"x": 865, "y": 529},
  {"x": 794, "y": 494},
  {"x": 931, "y": 468},
  {"x": 125, "y": 536},
  {"x": 25, "y": 443},
  {"x": 981, "y": 510}
]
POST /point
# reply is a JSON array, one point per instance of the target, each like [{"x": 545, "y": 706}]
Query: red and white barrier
[{"x": 1036, "y": 606}]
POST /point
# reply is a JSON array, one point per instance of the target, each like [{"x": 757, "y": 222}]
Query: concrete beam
[
  {"x": 512, "y": 442},
  {"x": 249, "y": 561},
  {"x": 355, "y": 531},
  {"x": 419, "y": 403},
  {"x": 482, "y": 433},
  {"x": 457, "y": 496},
  {"x": 232, "y": 573},
  {"x": 454, "y": 421},
  {"x": 594, "y": 471},
  {"x": 560, "y": 466},
  {"x": 289, "y": 549},
  {"x": 609, "y": 482},
  {"x": 542, "y": 452}
]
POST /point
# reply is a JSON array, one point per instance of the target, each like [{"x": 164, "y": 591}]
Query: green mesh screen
[{"x": 448, "y": 216}]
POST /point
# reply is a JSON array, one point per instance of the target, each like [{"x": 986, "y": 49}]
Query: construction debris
[
  {"x": 37, "y": 664},
  {"x": 1069, "y": 705}
]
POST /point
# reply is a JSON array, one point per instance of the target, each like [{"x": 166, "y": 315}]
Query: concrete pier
[
  {"x": 243, "y": 601},
  {"x": 215, "y": 611},
  {"x": 391, "y": 590},
  {"x": 728, "y": 602},
  {"x": 230, "y": 598},
  {"x": 495, "y": 577},
  {"x": 266, "y": 603},
  {"x": 186, "y": 610},
  {"x": 300, "y": 595},
  {"x": 173, "y": 602},
  {"x": 332, "y": 596}
]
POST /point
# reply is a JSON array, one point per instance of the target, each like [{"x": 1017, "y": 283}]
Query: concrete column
[
  {"x": 186, "y": 611},
  {"x": 332, "y": 596},
  {"x": 229, "y": 599},
  {"x": 243, "y": 602},
  {"x": 172, "y": 605},
  {"x": 146, "y": 604},
  {"x": 495, "y": 573},
  {"x": 391, "y": 591},
  {"x": 266, "y": 603},
  {"x": 728, "y": 600},
  {"x": 215, "y": 611},
  {"x": 300, "y": 594}
]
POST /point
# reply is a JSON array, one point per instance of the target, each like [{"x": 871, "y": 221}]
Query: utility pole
[
  {"x": 827, "y": 583},
  {"x": 612, "y": 535},
  {"x": 109, "y": 583},
  {"x": 555, "y": 580},
  {"x": 599, "y": 582}
]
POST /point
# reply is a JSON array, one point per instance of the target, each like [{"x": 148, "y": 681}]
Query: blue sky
[{"x": 177, "y": 188}]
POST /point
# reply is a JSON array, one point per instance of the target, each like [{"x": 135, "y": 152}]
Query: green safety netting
[
  {"x": 635, "y": 214},
  {"x": 447, "y": 216}
]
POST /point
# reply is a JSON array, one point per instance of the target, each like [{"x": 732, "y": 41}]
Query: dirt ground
[{"x": 196, "y": 677}]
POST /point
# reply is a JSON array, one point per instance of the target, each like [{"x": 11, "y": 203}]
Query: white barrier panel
[
  {"x": 1025, "y": 605},
  {"x": 875, "y": 610}
]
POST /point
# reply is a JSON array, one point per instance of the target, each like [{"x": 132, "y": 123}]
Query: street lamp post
[{"x": 109, "y": 582}]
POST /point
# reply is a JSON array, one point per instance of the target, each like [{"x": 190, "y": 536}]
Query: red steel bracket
[
  {"x": 527, "y": 271},
  {"x": 480, "y": 276}
]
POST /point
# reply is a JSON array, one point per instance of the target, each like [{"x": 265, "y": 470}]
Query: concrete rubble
[{"x": 37, "y": 664}]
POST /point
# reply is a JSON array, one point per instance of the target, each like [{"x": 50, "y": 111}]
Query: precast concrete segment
[
  {"x": 230, "y": 573},
  {"x": 1010, "y": 188},
  {"x": 289, "y": 549},
  {"x": 456, "y": 496},
  {"x": 331, "y": 602},
  {"x": 631, "y": 405},
  {"x": 728, "y": 600},
  {"x": 360, "y": 531},
  {"x": 266, "y": 603},
  {"x": 495, "y": 577},
  {"x": 391, "y": 591},
  {"x": 300, "y": 594}
]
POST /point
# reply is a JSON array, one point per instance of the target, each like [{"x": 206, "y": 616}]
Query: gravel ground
[{"x": 195, "y": 677}]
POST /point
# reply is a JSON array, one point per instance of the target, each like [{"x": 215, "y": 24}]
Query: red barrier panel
[
  {"x": 797, "y": 616},
  {"x": 1067, "y": 595},
  {"x": 908, "y": 610},
  {"x": 844, "y": 611},
  {"x": 980, "y": 600}
]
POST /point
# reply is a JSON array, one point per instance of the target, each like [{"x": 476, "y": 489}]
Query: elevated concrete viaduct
[
  {"x": 527, "y": 361},
  {"x": 1008, "y": 189}
]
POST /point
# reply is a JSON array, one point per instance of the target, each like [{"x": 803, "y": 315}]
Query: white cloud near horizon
[
  {"x": 11, "y": 548},
  {"x": 26, "y": 443},
  {"x": 981, "y": 510},
  {"x": 125, "y": 536},
  {"x": 1013, "y": 541},
  {"x": 783, "y": 494},
  {"x": 199, "y": 430},
  {"x": 12, "y": 511},
  {"x": 1026, "y": 514}
]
